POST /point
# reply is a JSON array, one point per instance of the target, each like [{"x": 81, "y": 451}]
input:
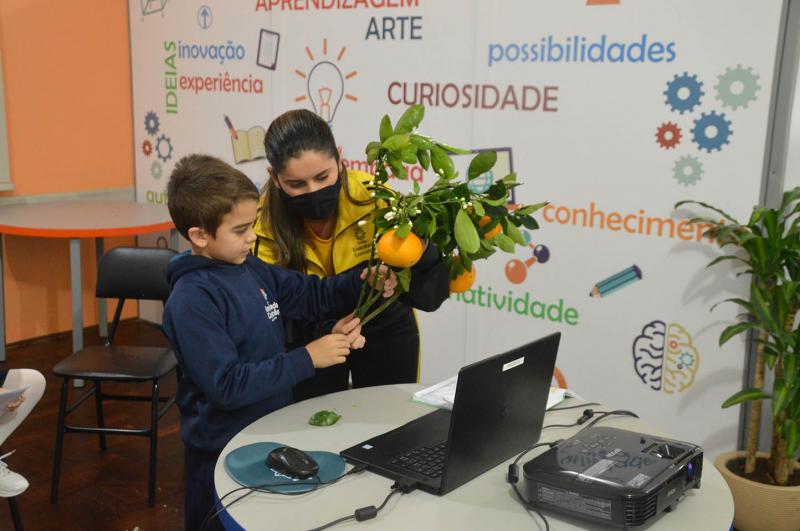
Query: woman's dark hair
[{"x": 289, "y": 136}]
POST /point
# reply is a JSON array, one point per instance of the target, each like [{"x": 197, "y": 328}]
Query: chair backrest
[{"x": 134, "y": 273}]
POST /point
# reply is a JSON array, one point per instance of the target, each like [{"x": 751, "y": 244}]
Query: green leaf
[
  {"x": 745, "y": 395},
  {"x": 780, "y": 394},
  {"x": 465, "y": 232},
  {"x": 410, "y": 119},
  {"x": 422, "y": 142},
  {"x": 451, "y": 149},
  {"x": 479, "y": 211},
  {"x": 404, "y": 230},
  {"x": 442, "y": 163},
  {"x": 509, "y": 179},
  {"x": 396, "y": 142},
  {"x": 734, "y": 330},
  {"x": 481, "y": 163},
  {"x": 398, "y": 169},
  {"x": 504, "y": 242},
  {"x": 514, "y": 233},
  {"x": 530, "y": 209},
  {"x": 791, "y": 430},
  {"x": 409, "y": 154},
  {"x": 416, "y": 187},
  {"x": 529, "y": 222},
  {"x": 386, "y": 129},
  {"x": 324, "y": 418},
  {"x": 424, "y": 158},
  {"x": 404, "y": 279}
]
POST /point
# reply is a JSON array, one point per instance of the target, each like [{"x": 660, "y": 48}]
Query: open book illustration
[{"x": 248, "y": 145}]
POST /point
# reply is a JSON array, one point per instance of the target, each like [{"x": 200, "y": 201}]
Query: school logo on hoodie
[{"x": 273, "y": 312}]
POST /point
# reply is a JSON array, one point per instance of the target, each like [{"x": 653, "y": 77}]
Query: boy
[{"x": 224, "y": 320}]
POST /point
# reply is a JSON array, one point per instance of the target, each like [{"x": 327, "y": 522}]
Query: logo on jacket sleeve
[{"x": 273, "y": 312}]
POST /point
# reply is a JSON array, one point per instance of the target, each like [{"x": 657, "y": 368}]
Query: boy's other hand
[
  {"x": 328, "y": 350},
  {"x": 381, "y": 277},
  {"x": 351, "y": 327}
]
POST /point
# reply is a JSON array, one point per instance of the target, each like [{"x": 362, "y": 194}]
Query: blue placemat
[{"x": 247, "y": 466}]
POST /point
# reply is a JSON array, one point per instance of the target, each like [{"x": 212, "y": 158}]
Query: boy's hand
[
  {"x": 351, "y": 327},
  {"x": 328, "y": 350},
  {"x": 381, "y": 277}
]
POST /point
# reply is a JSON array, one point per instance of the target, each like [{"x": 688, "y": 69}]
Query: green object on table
[{"x": 324, "y": 418}]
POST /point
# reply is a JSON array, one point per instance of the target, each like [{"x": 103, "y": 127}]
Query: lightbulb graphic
[
  {"x": 325, "y": 84},
  {"x": 325, "y": 89}
]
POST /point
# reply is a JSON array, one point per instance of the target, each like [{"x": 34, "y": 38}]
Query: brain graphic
[{"x": 664, "y": 357}]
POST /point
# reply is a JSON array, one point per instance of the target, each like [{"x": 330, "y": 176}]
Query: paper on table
[
  {"x": 8, "y": 396},
  {"x": 443, "y": 394}
]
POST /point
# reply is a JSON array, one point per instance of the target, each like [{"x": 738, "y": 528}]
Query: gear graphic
[
  {"x": 737, "y": 87},
  {"x": 155, "y": 170},
  {"x": 687, "y": 170},
  {"x": 684, "y": 92},
  {"x": 668, "y": 135},
  {"x": 163, "y": 140},
  {"x": 151, "y": 123},
  {"x": 147, "y": 148},
  {"x": 711, "y": 131},
  {"x": 686, "y": 359}
]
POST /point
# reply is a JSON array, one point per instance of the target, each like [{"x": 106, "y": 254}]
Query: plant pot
[{"x": 758, "y": 506}]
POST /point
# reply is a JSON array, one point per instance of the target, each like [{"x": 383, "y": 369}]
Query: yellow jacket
[{"x": 351, "y": 242}]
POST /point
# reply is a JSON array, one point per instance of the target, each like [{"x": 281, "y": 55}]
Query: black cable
[
  {"x": 573, "y": 407},
  {"x": 370, "y": 512},
  {"x": 529, "y": 506},
  {"x": 268, "y": 489}
]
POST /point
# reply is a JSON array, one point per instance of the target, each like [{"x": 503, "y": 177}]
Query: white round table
[{"x": 485, "y": 503}]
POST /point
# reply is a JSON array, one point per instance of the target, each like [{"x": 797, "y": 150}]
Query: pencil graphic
[
  {"x": 615, "y": 282},
  {"x": 230, "y": 127}
]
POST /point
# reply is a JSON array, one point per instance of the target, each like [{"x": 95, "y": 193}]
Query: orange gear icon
[
  {"x": 147, "y": 148},
  {"x": 668, "y": 135}
]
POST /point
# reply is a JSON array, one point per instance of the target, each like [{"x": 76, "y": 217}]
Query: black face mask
[{"x": 314, "y": 205}]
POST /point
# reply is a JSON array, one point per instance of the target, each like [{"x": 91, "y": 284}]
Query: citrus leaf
[
  {"x": 410, "y": 119},
  {"x": 465, "y": 232},
  {"x": 404, "y": 279},
  {"x": 745, "y": 395},
  {"x": 324, "y": 418},
  {"x": 504, "y": 242},
  {"x": 386, "y": 129},
  {"x": 396, "y": 142},
  {"x": 481, "y": 163}
]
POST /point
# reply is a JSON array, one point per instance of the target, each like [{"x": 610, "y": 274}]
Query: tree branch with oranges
[{"x": 464, "y": 224}]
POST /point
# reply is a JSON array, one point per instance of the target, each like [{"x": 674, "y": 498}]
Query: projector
[{"x": 612, "y": 476}]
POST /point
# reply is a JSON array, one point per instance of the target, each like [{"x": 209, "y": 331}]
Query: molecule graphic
[{"x": 517, "y": 270}]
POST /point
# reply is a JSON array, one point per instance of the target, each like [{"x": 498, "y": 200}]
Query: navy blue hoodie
[{"x": 225, "y": 324}]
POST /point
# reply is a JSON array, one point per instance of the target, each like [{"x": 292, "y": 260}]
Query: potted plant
[{"x": 765, "y": 485}]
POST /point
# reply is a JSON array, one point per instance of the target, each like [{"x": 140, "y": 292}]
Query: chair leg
[
  {"x": 15, "y": 516},
  {"x": 62, "y": 413},
  {"x": 151, "y": 482},
  {"x": 101, "y": 421}
]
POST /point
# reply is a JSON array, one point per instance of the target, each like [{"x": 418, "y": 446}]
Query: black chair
[{"x": 123, "y": 273}]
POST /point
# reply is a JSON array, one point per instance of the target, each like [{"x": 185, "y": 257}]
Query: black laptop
[{"x": 498, "y": 411}]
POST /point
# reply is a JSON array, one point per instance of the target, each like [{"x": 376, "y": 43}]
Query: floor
[{"x": 99, "y": 490}]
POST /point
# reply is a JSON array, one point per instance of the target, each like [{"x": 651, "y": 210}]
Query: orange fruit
[
  {"x": 400, "y": 252},
  {"x": 492, "y": 233},
  {"x": 463, "y": 282}
]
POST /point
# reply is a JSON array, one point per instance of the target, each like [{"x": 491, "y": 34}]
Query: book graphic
[{"x": 247, "y": 144}]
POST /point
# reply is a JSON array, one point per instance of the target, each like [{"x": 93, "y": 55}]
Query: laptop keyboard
[{"x": 425, "y": 460}]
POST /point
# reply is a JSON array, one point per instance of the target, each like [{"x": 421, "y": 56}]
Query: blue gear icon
[
  {"x": 166, "y": 153},
  {"x": 151, "y": 123},
  {"x": 686, "y": 359},
  {"x": 684, "y": 92},
  {"x": 711, "y": 131}
]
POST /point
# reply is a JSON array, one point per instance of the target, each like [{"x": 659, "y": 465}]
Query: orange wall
[{"x": 68, "y": 109}]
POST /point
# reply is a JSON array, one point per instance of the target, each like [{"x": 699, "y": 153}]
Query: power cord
[
  {"x": 269, "y": 489},
  {"x": 573, "y": 407},
  {"x": 402, "y": 486},
  {"x": 513, "y": 468}
]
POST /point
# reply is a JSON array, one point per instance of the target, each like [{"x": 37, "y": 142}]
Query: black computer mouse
[{"x": 292, "y": 462}]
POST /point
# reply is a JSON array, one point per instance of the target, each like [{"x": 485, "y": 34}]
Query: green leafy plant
[
  {"x": 465, "y": 225},
  {"x": 767, "y": 247}
]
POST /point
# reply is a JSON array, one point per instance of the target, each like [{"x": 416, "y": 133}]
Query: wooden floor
[{"x": 99, "y": 490}]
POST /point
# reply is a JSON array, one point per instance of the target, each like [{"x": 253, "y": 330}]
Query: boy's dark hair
[{"x": 202, "y": 189}]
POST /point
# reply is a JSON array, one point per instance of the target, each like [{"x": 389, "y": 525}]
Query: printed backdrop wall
[{"x": 611, "y": 110}]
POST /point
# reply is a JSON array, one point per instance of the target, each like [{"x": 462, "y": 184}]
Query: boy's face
[{"x": 234, "y": 237}]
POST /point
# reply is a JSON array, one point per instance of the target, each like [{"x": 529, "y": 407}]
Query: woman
[{"x": 312, "y": 219}]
